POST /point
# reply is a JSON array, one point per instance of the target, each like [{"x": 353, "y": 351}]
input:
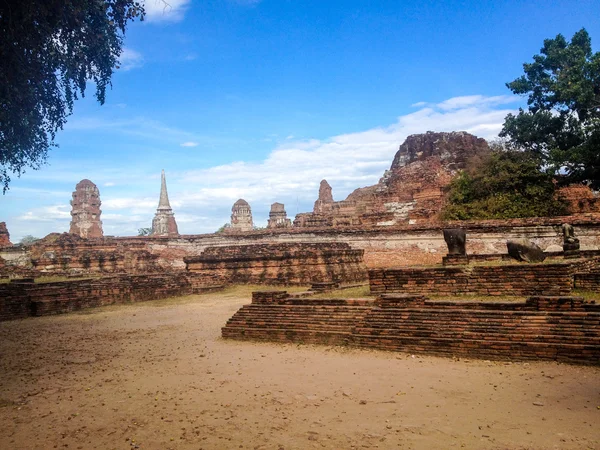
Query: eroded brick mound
[
  {"x": 411, "y": 191},
  {"x": 280, "y": 263},
  {"x": 69, "y": 253},
  {"x": 4, "y": 235},
  {"x": 453, "y": 149},
  {"x": 580, "y": 199}
]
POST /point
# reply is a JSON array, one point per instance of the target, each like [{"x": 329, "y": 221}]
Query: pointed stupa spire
[
  {"x": 163, "y": 203},
  {"x": 164, "y": 223}
]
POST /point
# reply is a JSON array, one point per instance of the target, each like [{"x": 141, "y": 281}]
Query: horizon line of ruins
[{"x": 411, "y": 192}]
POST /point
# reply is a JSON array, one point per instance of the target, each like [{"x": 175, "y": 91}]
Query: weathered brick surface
[
  {"x": 554, "y": 328},
  {"x": 383, "y": 246},
  {"x": 280, "y": 263},
  {"x": 274, "y": 316},
  {"x": 588, "y": 281},
  {"x": 518, "y": 279},
  {"x": 18, "y": 300},
  {"x": 4, "y": 235}
]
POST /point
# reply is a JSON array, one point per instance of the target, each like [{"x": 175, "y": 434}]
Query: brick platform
[
  {"x": 20, "y": 300},
  {"x": 281, "y": 264},
  {"x": 551, "y": 328},
  {"x": 514, "y": 280}
]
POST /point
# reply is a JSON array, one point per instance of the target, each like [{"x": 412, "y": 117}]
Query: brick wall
[
  {"x": 588, "y": 281},
  {"x": 384, "y": 246},
  {"x": 517, "y": 279},
  {"x": 282, "y": 264},
  {"x": 19, "y": 300},
  {"x": 552, "y": 328}
]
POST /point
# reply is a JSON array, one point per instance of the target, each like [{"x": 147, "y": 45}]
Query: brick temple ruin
[
  {"x": 388, "y": 235},
  {"x": 85, "y": 211},
  {"x": 241, "y": 216}
]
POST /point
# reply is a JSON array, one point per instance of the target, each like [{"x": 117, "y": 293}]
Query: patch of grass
[
  {"x": 588, "y": 296},
  {"x": 356, "y": 292}
]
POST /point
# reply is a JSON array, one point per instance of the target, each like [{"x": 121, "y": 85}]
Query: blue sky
[{"x": 262, "y": 99}]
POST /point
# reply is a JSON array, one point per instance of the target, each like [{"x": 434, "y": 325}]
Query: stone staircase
[
  {"x": 305, "y": 321},
  {"x": 551, "y": 328}
]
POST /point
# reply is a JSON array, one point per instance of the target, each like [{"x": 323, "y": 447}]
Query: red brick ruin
[
  {"x": 85, "y": 211},
  {"x": 241, "y": 216},
  {"x": 4, "y": 235}
]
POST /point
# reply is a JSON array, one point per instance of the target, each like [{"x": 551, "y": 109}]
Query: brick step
[
  {"x": 499, "y": 326},
  {"x": 294, "y": 317},
  {"x": 475, "y": 319},
  {"x": 483, "y": 312},
  {"x": 518, "y": 351},
  {"x": 414, "y": 342},
  {"x": 464, "y": 337},
  {"x": 280, "y": 315},
  {"x": 296, "y": 326},
  {"x": 288, "y": 335}
]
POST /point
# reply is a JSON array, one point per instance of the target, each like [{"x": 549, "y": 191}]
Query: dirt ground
[{"x": 157, "y": 375}]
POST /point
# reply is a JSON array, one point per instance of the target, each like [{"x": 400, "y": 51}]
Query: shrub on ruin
[{"x": 505, "y": 184}]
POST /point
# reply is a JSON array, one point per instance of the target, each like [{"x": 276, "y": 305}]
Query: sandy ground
[{"x": 158, "y": 375}]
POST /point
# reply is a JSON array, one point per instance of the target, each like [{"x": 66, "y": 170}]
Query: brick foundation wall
[
  {"x": 564, "y": 329},
  {"x": 23, "y": 300},
  {"x": 516, "y": 280},
  {"x": 282, "y": 264},
  {"x": 588, "y": 281},
  {"x": 384, "y": 246}
]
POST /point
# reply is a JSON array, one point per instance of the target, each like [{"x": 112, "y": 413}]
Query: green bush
[{"x": 502, "y": 185}]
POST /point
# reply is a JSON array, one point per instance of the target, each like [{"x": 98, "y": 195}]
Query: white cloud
[
  {"x": 475, "y": 100},
  {"x": 109, "y": 184},
  {"x": 165, "y": 10},
  {"x": 47, "y": 214},
  {"x": 189, "y": 144},
  {"x": 130, "y": 59}
]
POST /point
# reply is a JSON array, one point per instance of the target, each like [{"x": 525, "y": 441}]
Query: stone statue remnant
[
  {"x": 4, "y": 235},
  {"x": 278, "y": 217},
  {"x": 456, "y": 239},
  {"x": 85, "y": 211},
  {"x": 524, "y": 250},
  {"x": 570, "y": 242},
  {"x": 241, "y": 216},
  {"x": 164, "y": 223}
]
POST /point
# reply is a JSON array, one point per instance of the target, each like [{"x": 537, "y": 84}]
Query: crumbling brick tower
[
  {"x": 241, "y": 216},
  {"x": 85, "y": 211}
]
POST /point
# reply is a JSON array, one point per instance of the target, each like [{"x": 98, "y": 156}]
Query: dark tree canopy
[
  {"x": 562, "y": 123},
  {"x": 49, "y": 49}
]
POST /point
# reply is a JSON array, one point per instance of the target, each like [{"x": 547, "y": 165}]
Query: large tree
[
  {"x": 49, "y": 50},
  {"x": 562, "y": 122}
]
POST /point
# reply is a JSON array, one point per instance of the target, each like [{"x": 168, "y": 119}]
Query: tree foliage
[
  {"x": 144, "y": 231},
  {"x": 49, "y": 50},
  {"x": 223, "y": 228},
  {"x": 502, "y": 185},
  {"x": 28, "y": 240},
  {"x": 562, "y": 123}
]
